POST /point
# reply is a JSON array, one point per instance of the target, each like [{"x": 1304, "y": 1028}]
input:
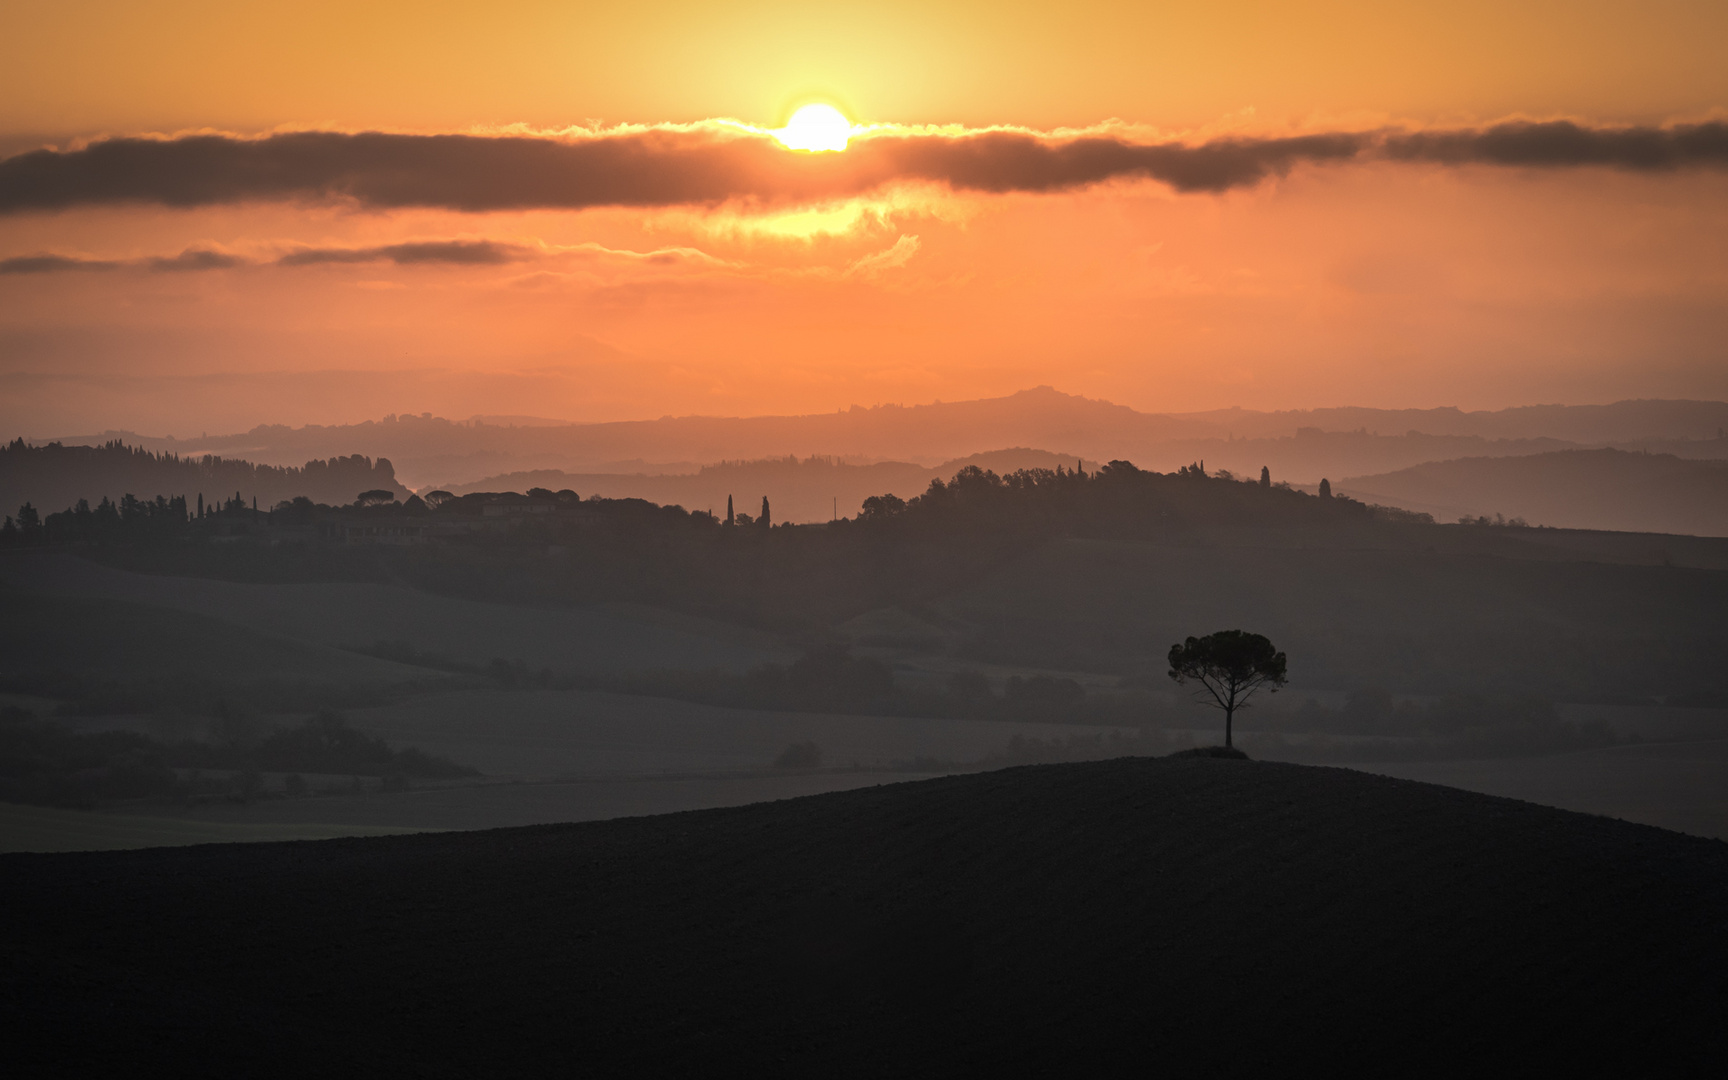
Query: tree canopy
[{"x": 1230, "y": 666}]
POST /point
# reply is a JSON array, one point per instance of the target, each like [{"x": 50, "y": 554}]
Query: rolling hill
[
  {"x": 1572, "y": 489},
  {"x": 1132, "y": 915},
  {"x": 1300, "y": 446}
]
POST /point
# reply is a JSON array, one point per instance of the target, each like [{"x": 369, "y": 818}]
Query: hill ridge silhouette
[
  {"x": 922, "y": 433},
  {"x": 1194, "y": 913}
]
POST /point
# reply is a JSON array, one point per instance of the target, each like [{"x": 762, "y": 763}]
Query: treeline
[
  {"x": 1117, "y": 499},
  {"x": 46, "y": 764},
  {"x": 130, "y": 519},
  {"x": 54, "y": 475}
]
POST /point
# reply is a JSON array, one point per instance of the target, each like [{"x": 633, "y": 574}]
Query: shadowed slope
[
  {"x": 1569, "y": 489},
  {"x": 1134, "y": 913}
]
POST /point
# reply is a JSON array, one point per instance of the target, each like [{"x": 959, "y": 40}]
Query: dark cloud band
[
  {"x": 54, "y": 264},
  {"x": 415, "y": 253},
  {"x": 190, "y": 259},
  {"x": 460, "y": 252},
  {"x": 710, "y": 165}
]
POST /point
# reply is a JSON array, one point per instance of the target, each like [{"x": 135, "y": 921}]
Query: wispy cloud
[
  {"x": 711, "y": 164},
  {"x": 888, "y": 259},
  {"x": 458, "y": 252}
]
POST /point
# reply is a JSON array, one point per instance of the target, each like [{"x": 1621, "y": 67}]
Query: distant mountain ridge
[
  {"x": 1301, "y": 446},
  {"x": 1578, "y": 489}
]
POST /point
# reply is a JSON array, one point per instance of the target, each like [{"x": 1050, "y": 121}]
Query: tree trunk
[{"x": 1229, "y": 714}]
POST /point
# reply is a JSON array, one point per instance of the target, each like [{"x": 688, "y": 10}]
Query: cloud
[
  {"x": 888, "y": 259},
  {"x": 53, "y": 264},
  {"x": 195, "y": 259},
  {"x": 714, "y": 163},
  {"x": 1564, "y": 144},
  {"x": 420, "y": 252},
  {"x": 190, "y": 259},
  {"x": 459, "y": 252},
  {"x": 666, "y": 256}
]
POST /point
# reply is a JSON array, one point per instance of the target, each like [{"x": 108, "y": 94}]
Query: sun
[{"x": 816, "y": 127}]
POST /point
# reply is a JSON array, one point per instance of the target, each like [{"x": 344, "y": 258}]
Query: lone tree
[{"x": 1231, "y": 665}]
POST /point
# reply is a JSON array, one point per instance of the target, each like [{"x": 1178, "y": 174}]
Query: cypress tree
[
  {"x": 728, "y": 509},
  {"x": 1265, "y": 476},
  {"x": 766, "y": 522},
  {"x": 1325, "y": 488}
]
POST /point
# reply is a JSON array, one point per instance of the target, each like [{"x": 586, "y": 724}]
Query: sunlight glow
[{"x": 816, "y": 127}]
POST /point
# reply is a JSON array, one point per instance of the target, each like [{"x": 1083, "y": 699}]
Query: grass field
[
  {"x": 1414, "y": 621},
  {"x": 559, "y": 733},
  {"x": 1067, "y": 607},
  {"x": 565, "y": 639},
  {"x": 105, "y": 638}
]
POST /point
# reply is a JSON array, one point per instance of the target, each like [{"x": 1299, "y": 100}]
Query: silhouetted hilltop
[
  {"x": 55, "y": 476},
  {"x": 1579, "y": 489},
  {"x": 803, "y": 490},
  {"x": 431, "y": 450},
  {"x": 1229, "y": 917}
]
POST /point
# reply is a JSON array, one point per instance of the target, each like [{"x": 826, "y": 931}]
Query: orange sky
[{"x": 1367, "y": 281}]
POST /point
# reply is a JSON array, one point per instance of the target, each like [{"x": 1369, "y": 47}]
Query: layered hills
[
  {"x": 1588, "y": 489},
  {"x": 1301, "y": 446},
  {"x": 1136, "y": 914},
  {"x": 814, "y": 468}
]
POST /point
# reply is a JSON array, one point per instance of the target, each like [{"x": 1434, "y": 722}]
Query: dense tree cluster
[
  {"x": 56, "y": 475},
  {"x": 1118, "y": 499}
]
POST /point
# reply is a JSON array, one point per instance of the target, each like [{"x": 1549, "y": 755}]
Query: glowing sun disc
[{"x": 816, "y": 127}]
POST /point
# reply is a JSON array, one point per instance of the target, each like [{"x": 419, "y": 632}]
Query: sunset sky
[{"x": 320, "y": 212}]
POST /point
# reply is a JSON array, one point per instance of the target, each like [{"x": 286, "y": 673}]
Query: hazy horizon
[
  {"x": 527, "y": 420},
  {"x": 608, "y": 217}
]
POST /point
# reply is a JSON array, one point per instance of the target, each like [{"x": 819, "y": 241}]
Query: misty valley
[{"x": 469, "y": 661}]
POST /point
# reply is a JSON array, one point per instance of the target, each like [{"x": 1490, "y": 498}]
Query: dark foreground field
[{"x": 1133, "y": 914}]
